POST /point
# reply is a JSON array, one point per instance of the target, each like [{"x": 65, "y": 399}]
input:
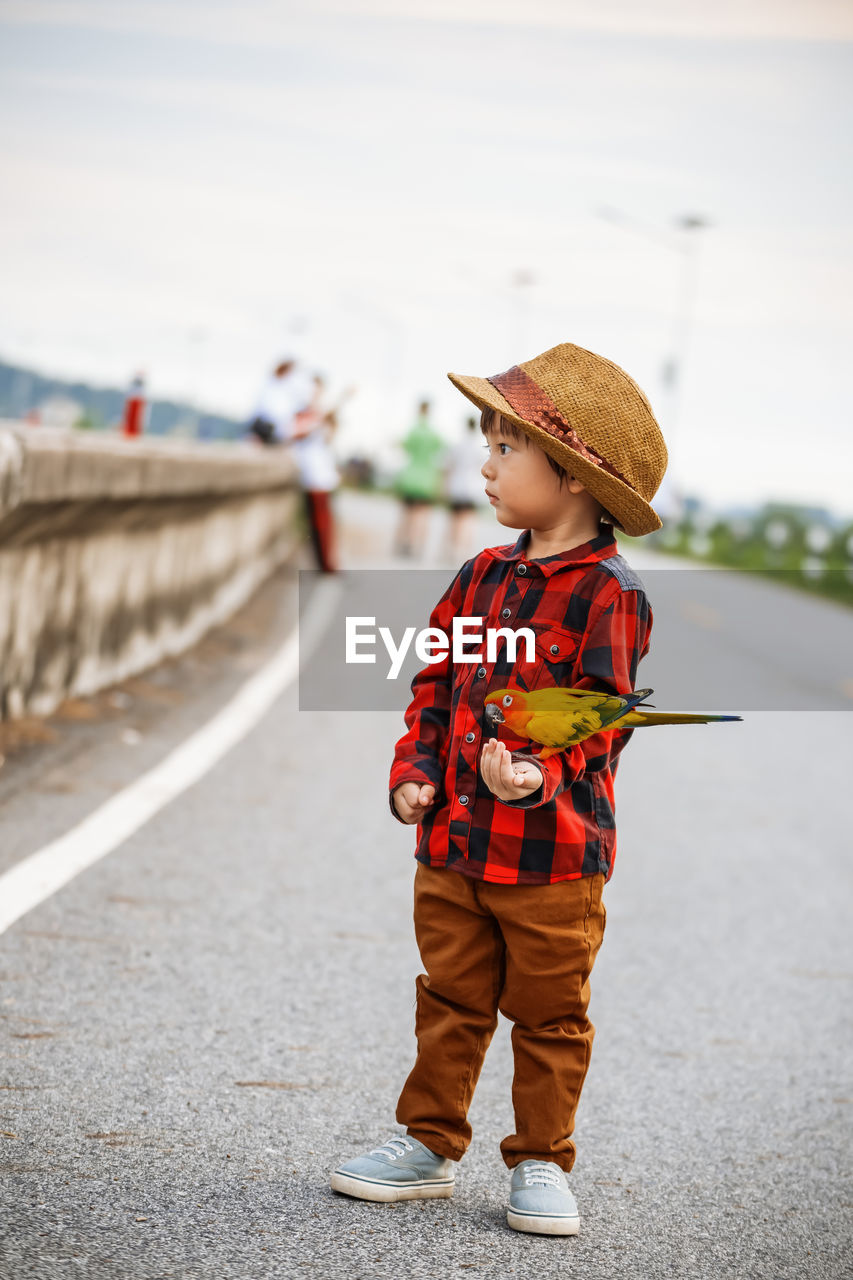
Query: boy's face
[{"x": 521, "y": 485}]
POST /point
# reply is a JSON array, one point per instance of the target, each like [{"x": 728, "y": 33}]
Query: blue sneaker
[
  {"x": 540, "y": 1200},
  {"x": 402, "y": 1169}
]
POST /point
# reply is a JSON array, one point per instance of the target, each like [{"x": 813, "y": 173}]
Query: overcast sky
[{"x": 406, "y": 188}]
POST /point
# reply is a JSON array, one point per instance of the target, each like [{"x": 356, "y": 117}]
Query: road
[{"x": 200, "y": 1026}]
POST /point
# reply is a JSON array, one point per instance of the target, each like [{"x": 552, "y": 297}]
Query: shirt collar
[{"x": 602, "y": 547}]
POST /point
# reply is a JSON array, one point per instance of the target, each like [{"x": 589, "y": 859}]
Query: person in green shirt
[{"x": 419, "y": 483}]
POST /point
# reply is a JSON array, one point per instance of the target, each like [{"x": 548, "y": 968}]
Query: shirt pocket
[{"x": 556, "y": 652}]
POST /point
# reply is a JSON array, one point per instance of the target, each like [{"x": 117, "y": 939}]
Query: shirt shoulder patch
[{"x": 628, "y": 579}]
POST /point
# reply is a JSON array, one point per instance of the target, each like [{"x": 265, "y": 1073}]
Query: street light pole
[
  {"x": 686, "y": 243},
  {"x": 674, "y": 366},
  {"x": 522, "y": 281}
]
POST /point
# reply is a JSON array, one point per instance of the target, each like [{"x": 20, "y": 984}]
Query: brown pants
[{"x": 526, "y": 951}]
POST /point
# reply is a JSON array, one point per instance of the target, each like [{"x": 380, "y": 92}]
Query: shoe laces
[
  {"x": 393, "y": 1148},
  {"x": 540, "y": 1174}
]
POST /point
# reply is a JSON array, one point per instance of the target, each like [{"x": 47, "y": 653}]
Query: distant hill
[{"x": 24, "y": 389}]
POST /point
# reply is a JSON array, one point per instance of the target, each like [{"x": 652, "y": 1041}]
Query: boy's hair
[
  {"x": 507, "y": 428},
  {"x": 491, "y": 420}
]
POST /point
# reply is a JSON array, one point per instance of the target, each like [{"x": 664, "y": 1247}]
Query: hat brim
[{"x": 629, "y": 511}]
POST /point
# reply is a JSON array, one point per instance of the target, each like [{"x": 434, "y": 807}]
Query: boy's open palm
[{"x": 505, "y": 779}]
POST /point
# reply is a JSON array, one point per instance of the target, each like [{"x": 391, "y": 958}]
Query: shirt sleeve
[
  {"x": 616, "y": 638},
  {"x": 420, "y": 754}
]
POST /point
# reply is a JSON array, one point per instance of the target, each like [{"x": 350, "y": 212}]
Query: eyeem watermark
[
  {"x": 433, "y": 645},
  {"x": 727, "y": 641}
]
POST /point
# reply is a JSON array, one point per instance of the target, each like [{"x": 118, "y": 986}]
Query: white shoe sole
[
  {"x": 543, "y": 1224},
  {"x": 388, "y": 1192}
]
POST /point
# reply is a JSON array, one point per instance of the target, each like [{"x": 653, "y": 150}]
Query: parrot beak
[{"x": 494, "y": 714}]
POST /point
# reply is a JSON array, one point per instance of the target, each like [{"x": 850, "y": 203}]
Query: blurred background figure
[
  {"x": 463, "y": 490},
  {"x": 319, "y": 475},
  {"x": 285, "y": 399},
  {"x": 133, "y": 417},
  {"x": 419, "y": 483}
]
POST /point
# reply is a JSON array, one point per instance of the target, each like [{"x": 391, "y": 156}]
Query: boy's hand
[
  {"x": 504, "y": 779},
  {"x": 411, "y": 800}
]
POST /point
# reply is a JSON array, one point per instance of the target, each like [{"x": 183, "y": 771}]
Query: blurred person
[
  {"x": 284, "y": 408},
  {"x": 319, "y": 475},
  {"x": 289, "y": 412},
  {"x": 464, "y": 489},
  {"x": 135, "y": 407},
  {"x": 418, "y": 485}
]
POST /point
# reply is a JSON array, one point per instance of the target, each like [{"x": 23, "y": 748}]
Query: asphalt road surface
[{"x": 200, "y": 1026}]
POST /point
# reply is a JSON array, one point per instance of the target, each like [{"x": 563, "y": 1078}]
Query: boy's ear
[{"x": 575, "y": 486}]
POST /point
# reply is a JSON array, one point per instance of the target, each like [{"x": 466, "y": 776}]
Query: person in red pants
[
  {"x": 289, "y": 411},
  {"x": 318, "y": 474}
]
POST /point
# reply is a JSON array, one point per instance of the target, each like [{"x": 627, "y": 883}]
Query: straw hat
[{"x": 587, "y": 414}]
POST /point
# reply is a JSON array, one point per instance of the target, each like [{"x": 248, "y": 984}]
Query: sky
[{"x": 395, "y": 189}]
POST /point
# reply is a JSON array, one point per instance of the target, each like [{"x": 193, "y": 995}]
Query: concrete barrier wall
[{"x": 115, "y": 554}]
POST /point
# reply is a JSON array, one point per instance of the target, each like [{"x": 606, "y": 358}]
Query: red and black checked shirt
[{"x": 592, "y": 621}]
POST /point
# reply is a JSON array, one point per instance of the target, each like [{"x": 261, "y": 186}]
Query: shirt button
[
  {"x": 481, "y": 673},
  {"x": 555, "y": 648},
  {"x": 469, "y": 737},
  {"x": 507, "y": 613},
  {"x": 463, "y": 799},
  {"x": 522, "y": 569}
]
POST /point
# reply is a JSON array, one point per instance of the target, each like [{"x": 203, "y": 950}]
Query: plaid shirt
[{"x": 592, "y": 621}]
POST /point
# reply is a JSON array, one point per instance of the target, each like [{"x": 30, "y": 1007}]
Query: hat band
[{"x": 533, "y": 404}]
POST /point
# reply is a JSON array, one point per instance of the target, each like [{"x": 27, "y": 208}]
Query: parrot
[{"x": 557, "y": 718}]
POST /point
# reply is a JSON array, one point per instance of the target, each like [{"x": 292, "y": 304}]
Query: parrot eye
[{"x": 507, "y": 700}]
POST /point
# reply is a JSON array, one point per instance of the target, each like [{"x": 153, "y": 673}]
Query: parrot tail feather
[{"x": 665, "y": 717}]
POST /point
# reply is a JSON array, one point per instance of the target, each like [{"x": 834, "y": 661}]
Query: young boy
[{"x": 513, "y": 851}]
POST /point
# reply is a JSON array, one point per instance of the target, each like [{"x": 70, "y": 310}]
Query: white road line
[{"x": 38, "y": 876}]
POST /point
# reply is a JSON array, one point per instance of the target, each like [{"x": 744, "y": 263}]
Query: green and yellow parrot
[{"x": 558, "y": 718}]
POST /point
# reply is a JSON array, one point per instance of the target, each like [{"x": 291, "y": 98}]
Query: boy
[{"x": 513, "y": 851}]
